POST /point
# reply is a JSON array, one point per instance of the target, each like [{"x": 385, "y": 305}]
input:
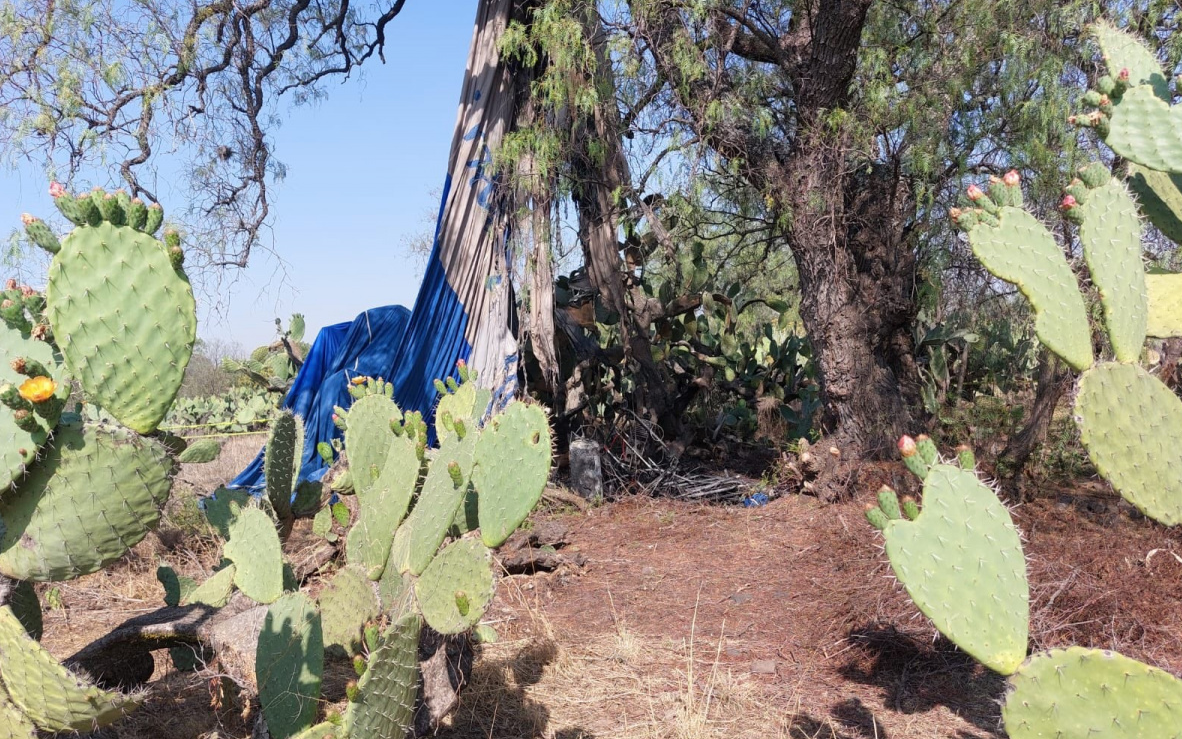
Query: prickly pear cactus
[
  {"x": 1138, "y": 454},
  {"x": 1131, "y": 424},
  {"x": 285, "y": 451},
  {"x": 1165, "y": 305},
  {"x": 346, "y": 604},
  {"x": 457, "y": 587},
  {"x": 1080, "y": 692},
  {"x": 512, "y": 465},
  {"x": 960, "y": 559},
  {"x": 111, "y": 288},
  {"x": 385, "y": 699},
  {"x": 368, "y": 435},
  {"x": 96, "y": 493},
  {"x": 45, "y": 692},
  {"x": 289, "y": 665},
  {"x": 255, "y": 550}
]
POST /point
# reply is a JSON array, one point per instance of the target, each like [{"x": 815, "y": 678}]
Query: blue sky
[{"x": 362, "y": 168}]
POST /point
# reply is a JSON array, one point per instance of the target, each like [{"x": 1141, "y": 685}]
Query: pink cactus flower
[
  {"x": 28, "y": 219},
  {"x": 975, "y": 193},
  {"x": 57, "y": 189},
  {"x": 1068, "y": 203},
  {"x": 1123, "y": 75},
  {"x": 1011, "y": 178}
]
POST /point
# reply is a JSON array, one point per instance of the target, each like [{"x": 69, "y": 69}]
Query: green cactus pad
[
  {"x": 512, "y": 466},
  {"x": 27, "y": 608},
  {"x": 396, "y": 592},
  {"x": 385, "y": 705},
  {"x": 177, "y": 588},
  {"x": 1130, "y": 423},
  {"x": 383, "y": 507},
  {"x": 1091, "y": 693},
  {"x": 1146, "y": 130},
  {"x": 13, "y": 723},
  {"x": 214, "y": 592},
  {"x": 1123, "y": 50},
  {"x": 346, "y": 603},
  {"x": 222, "y": 508},
  {"x": 458, "y": 405},
  {"x": 18, "y": 447},
  {"x": 285, "y": 450},
  {"x": 961, "y": 562},
  {"x": 112, "y": 288},
  {"x": 45, "y": 691},
  {"x": 325, "y": 730},
  {"x": 456, "y": 588},
  {"x": 1160, "y": 199},
  {"x": 95, "y": 494},
  {"x": 289, "y": 665},
  {"x": 1111, "y": 238},
  {"x": 203, "y": 451},
  {"x": 1021, "y": 250},
  {"x": 418, "y": 538},
  {"x": 1165, "y": 305},
  {"x": 255, "y": 549},
  {"x": 368, "y": 437}
]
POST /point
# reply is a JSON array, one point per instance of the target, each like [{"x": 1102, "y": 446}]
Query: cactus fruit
[
  {"x": 913, "y": 460},
  {"x": 513, "y": 458},
  {"x": 95, "y": 494},
  {"x": 40, "y": 234},
  {"x": 1130, "y": 423},
  {"x": 289, "y": 665},
  {"x": 1021, "y": 250},
  {"x": 346, "y": 604},
  {"x": 456, "y": 588},
  {"x": 45, "y": 692},
  {"x": 1080, "y": 692},
  {"x": 961, "y": 562},
  {"x": 255, "y": 550},
  {"x": 110, "y": 288},
  {"x": 385, "y": 703},
  {"x": 1165, "y": 305}
]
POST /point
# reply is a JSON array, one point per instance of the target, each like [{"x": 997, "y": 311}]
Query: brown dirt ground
[{"x": 693, "y": 621}]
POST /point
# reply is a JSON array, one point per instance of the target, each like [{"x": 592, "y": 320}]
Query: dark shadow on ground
[
  {"x": 495, "y": 703},
  {"x": 915, "y": 676}
]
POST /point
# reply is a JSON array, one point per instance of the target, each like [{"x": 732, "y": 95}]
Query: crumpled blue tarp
[{"x": 367, "y": 347}]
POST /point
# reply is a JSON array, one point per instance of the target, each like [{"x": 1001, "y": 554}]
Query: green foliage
[
  {"x": 273, "y": 367},
  {"x": 238, "y": 409}
]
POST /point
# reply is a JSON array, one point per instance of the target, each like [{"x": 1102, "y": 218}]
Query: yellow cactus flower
[
  {"x": 359, "y": 380},
  {"x": 38, "y": 389}
]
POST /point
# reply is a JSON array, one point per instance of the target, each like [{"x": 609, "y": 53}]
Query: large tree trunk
[
  {"x": 847, "y": 227},
  {"x": 857, "y": 274}
]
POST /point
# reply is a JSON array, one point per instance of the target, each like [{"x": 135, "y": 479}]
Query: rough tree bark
[
  {"x": 1053, "y": 380},
  {"x": 847, "y": 228}
]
